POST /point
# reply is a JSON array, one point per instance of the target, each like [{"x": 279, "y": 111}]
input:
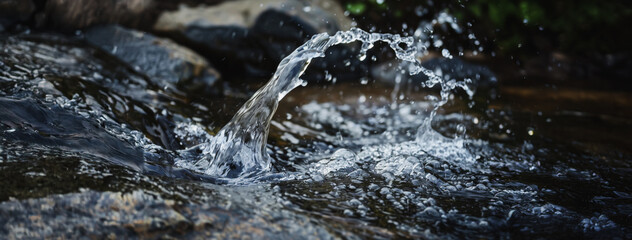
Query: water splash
[{"x": 238, "y": 150}]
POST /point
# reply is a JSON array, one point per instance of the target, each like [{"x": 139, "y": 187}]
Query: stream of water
[
  {"x": 239, "y": 149},
  {"x": 416, "y": 158}
]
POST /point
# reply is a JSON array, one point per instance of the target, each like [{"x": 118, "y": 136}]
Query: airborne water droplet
[
  {"x": 238, "y": 150},
  {"x": 446, "y": 53}
]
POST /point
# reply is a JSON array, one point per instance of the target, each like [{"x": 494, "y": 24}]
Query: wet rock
[
  {"x": 160, "y": 59},
  {"x": 141, "y": 215},
  {"x": 54, "y": 68},
  {"x": 14, "y": 11},
  {"x": 249, "y": 38}
]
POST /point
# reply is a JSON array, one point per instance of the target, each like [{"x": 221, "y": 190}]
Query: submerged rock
[
  {"x": 54, "y": 68},
  {"x": 160, "y": 59},
  {"x": 249, "y": 38}
]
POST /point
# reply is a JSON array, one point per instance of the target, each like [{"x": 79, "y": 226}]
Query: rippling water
[{"x": 89, "y": 143}]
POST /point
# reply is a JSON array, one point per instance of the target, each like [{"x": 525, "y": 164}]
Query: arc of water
[{"x": 239, "y": 148}]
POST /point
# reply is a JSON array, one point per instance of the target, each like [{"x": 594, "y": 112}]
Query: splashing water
[
  {"x": 238, "y": 150},
  {"x": 363, "y": 165}
]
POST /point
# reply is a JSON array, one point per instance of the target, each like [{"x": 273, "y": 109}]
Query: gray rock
[
  {"x": 14, "y": 11},
  {"x": 163, "y": 61},
  {"x": 47, "y": 66},
  {"x": 249, "y": 38},
  {"x": 137, "y": 214},
  {"x": 323, "y": 15}
]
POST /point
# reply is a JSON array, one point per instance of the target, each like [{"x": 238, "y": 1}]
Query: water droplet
[
  {"x": 446, "y": 53},
  {"x": 437, "y": 43},
  {"x": 362, "y": 56},
  {"x": 362, "y": 99}
]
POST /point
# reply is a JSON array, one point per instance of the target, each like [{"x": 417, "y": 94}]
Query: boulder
[
  {"x": 249, "y": 38},
  {"x": 161, "y": 60},
  {"x": 54, "y": 67},
  {"x": 143, "y": 214},
  {"x": 323, "y": 15}
]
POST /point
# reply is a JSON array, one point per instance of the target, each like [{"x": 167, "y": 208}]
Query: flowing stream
[
  {"x": 415, "y": 156},
  {"x": 239, "y": 149}
]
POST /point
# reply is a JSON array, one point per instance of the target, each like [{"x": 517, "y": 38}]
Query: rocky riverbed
[{"x": 101, "y": 100}]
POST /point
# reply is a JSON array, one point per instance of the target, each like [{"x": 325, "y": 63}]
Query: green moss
[{"x": 356, "y": 8}]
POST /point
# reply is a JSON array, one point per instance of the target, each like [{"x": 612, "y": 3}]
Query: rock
[
  {"x": 163, "y": 61},
  {"x": 323, "y": 15},
  {"x": 14, "y": 11},
  {"x": 140, "y": 214},
  {"x": 53, "y": 67},
  {"x": 249, "y": 38},
  {"x": 75, "y": 14}
]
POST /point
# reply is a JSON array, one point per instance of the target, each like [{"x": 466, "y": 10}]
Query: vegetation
[{"x": 515, "y": 27}]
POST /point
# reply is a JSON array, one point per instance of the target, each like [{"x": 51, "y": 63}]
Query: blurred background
[
  {"x": 543, "y": 56},
  {"x": 582, "y": 47},
  {"x": 583, "y": 44},
  {"x": 562, "y": 43}
]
